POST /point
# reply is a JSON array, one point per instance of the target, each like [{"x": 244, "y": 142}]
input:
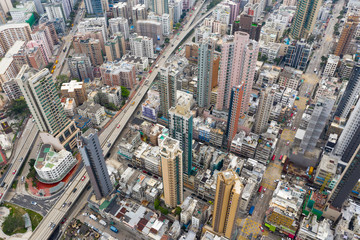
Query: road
[
  {"x": 26, "y": 142},
  {"x": 109, "y": 135},
  {"x": 67, "y": 40}
]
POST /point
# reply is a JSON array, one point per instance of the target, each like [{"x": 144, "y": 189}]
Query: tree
[
  {"x": 311, "y": 39},
  {"x": 167, "y": 40},
  {"x": 177, "y": 210},
  {"x": 50, "y": 65},
  {"x": 18, "y": 106},
  {"x": 177, "y": 25},
  {"x": 193, "y": 39},
  {"x": 157, "y": 203},
  {"x": 264, "y": 58},
  {"x": 125, "y": 92},
  {"x": 111, "y": 106},
  {"x": 101, "y": 99},
  {"x": 324, "y": 59}
]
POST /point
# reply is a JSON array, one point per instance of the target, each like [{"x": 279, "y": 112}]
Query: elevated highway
[{"x": 109, "y": 136}]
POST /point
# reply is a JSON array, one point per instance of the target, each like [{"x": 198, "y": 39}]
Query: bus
[
  {"x": 283, "y": 160},
  {"x": 251, "y": 210}
]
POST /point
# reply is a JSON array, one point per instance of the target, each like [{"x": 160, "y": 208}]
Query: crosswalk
[{"x": 250, "y": 227}]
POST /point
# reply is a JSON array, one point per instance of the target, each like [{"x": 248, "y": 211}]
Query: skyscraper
[
  {"x": 80, "y": 67},
  {"x": 347, "y": 181},
  {"x": 181, "y": 128},
  {"x": 349, "y": 138},
  {"x": 94, "y": 161},
  {"x": 206, "y": 52},
  {"x": 237, "y": 95},
  {"x": 305, "y": 18},
  {"x": 172, "y": 171},
  {"x": 298, "y": 54},
  {"x": 346, "y": 35},
  {"x": 318, "y": 119},
  {"x": 237, "y": 65},
  {"x": 44, "y": 103},
  {"x": 350, "y": 95},
  {"x": 96, "y": 7},
  {"x": 228, "y": 193},
  {"x": 167, "y": 80},
  {"x": 161, "y": 6},
  {"x": 264, "y": 109}
]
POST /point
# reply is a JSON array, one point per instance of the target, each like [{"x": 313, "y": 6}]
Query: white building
[
  {"x": 119, "y": 25},
  {"x": 93, "y": 25},
  {"x": 69, "y": 107},
  {"x": 52, "y": 166},
  {"x": 331, "y": 65},
  {"x": 21, "y": 12},
  {"x": 166, "y": 24},
  {"x": 141, "y": 46},
  {"x": 94, "y": 111}
]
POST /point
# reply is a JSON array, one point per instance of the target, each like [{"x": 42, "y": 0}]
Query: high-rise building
[
  {"x": 349, "y": 138},
  {"x": 119, "y": 25},
  {"x": 10, "y": 33},
  {"x": 206, "y": 52},
  {"x": 346, "y": 35},
  {"x": 115, "y": 47},
  {"x": 237, "y": 94},
  {"x": 141, "y": 46},
  {"x": 246, "y": 24},
  {"x": 167, "y": 80},
  {"x": 75, "y": 90},
  {"x": 6, "y": 5},
  {"x": 305, "y": 18},
  {"x": 44, "y": 103},
  {"x": 92, "y": 155},
  {"x": 121, "y": 9},
  {"x": 91, "y": 48},
  {"x": 181, "y": 128},
  {"x": 151, "y": 29},
  {"x": 96, "y": 7},
  {"x": 227, "y": 198},
  {"x": 298, "y": 54},
  {"x": 351, "y": 93},
  {"x": 347, "y": 181},
  {"x": 317, "y": 122},
  {"x": 80, "y": 67},
  {"x": 39, "y": 7},
  {"x": 172, "y": 171},
  {"x": 237, "y": 65},
  {"x": 2, "y": 15},
  {"x": 264, "y": 110},
  {"x": 161, "y": 6},
  {"x": 139, "y": 12},
  {"x": 118, "y": 74}
]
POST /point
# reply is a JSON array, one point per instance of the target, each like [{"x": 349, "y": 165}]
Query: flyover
[
  {"x": 22, "y": 149},
  {"x": 108, "y": 137}
]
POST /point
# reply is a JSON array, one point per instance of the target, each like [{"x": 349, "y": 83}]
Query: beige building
[
  {"x": 172, "y": 172},
  {"x": 263, "y": 112},
  {"x": 91, "y": 47},
  {"x": 228, "y": 193},
  {"x": 76, "y": 90},
  {"x": 10, "y": 33}
]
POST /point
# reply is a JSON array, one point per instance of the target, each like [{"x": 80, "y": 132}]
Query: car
[
  {"x": 262, "y": 195},
  {"x": 118, "y": 126},
  {"x": 83, "y": 178},
  {"x": 277, "y": 180},
  {"x": 30, "y": 116},
  {"x": 63, "y": 221},
  {"x": 265, "y": 189},
  {"x": 281, "y": 156},
  {"x": 33, "y": 203},
  {"x": 261, "y": 228},
  {"x": 20, "y": 160},
  {"x": 129, "y": 165},
  {"x": 150, "y": 71},
  {"x": 64, "y": 204},
  {"x": 144, "y": 171},
  {"x": 273, "y": 157},
  {"x": 1, "y": 195},
  {"x": 294, "y": 128},
  {"x": 156, "y": 177},
  {"x": 150, "y": 174},
  {"x": 109, "y": 144},
  {"x": 138, "y": 112},
  {"x": 287, "y": 143},
  {"x": 14, "y": 171}
]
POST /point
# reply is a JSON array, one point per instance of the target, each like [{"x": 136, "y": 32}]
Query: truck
[
  {"x": 102, "y": 222},
  {"x": 114, "y": 229},
  {"x": 251, "y": 210},
  {"x": 93, "y": 217}
]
